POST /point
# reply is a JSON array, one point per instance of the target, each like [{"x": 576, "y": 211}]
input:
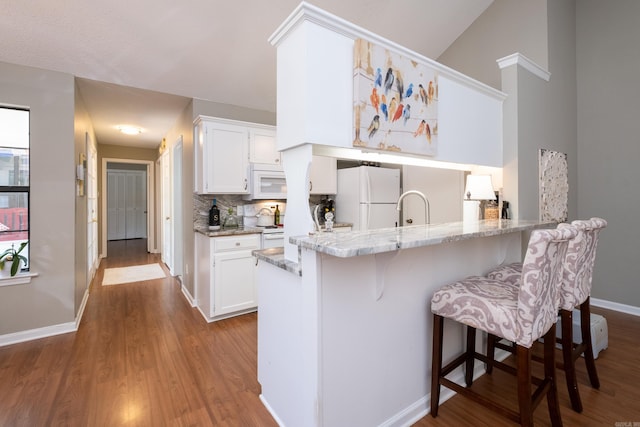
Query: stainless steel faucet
[{"x": 427, "y": 208}]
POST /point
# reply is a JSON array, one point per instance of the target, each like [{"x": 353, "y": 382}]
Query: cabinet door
[
  {"x": 235, "y": 284},
  {"x": 225, "y": 155},
  {"x": 263, "y": 146},
  {"x": 323, "y": 175},
  {"x": 198, "y": 158}
]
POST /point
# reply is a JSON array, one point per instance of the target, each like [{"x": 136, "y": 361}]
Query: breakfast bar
[{"x": 344, "y": 337}]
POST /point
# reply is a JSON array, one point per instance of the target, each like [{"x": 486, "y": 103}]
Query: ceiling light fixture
[{"x": 130, "y": 130}]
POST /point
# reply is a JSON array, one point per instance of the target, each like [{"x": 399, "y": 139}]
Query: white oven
[{"x": 272, "y": 237}]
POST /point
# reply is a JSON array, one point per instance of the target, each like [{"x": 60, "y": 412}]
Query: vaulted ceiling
[{"x": 141, "y": 61}]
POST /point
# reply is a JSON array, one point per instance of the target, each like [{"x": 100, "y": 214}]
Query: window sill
[{"x": 18, "y": 279}]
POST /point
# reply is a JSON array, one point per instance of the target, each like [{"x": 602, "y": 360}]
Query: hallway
[{"x": 142, "y": 356}]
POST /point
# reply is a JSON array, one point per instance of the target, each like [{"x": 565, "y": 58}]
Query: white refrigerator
[{"x": 367, "y": 197}]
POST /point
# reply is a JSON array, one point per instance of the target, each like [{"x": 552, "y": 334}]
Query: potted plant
[{"x": 12, "y": 257}]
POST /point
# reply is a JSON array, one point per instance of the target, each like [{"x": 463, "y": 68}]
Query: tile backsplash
[{"x": 248, "y": 209}]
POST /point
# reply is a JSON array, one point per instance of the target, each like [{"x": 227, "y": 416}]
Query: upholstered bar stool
[
  {"x": 520, "y": 314},
  {"x": 575, "y": 293}
]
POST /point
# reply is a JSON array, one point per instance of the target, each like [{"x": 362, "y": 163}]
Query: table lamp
[{"x": 478, "y": 188}]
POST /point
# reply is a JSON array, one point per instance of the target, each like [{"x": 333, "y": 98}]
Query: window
[{"x": 14, "y": 179}]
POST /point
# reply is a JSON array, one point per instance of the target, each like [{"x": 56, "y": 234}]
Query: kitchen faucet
[{"x": 427, "y": 208}]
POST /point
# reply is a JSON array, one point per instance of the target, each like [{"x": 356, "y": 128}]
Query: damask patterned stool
[
  {"x": 575, "y": 292},
  {"x": 519, "y": 314}
]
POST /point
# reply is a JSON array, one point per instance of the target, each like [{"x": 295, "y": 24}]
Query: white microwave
[{"x": 267, "y": 183}]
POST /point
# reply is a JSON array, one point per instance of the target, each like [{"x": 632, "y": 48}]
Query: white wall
[{"x": 315, "y": 93}]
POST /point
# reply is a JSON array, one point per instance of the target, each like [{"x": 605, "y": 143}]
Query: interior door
[
  {"x": 178, "y": 246},
  {"x": 136, "y": 204},
  {"x": 91, "y": 181},
  {"x": 167, "y": 222},
  {"x": 116, "y": 205}
]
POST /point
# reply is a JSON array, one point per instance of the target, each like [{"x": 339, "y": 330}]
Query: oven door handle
[{"x": 274, "y": 236}]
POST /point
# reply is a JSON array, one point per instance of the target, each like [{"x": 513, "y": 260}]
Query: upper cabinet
[
  {"x": 263, "y": 146},
  {"x": 221, "y": 157},
  {"x": 323, "y": 175},
  {"x": 223, "y": 149}
]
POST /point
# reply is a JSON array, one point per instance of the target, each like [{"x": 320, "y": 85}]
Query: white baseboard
[
  {"x": 271, "y": 411},
  {"x": 83, "y": 304},
  {"x": 615, "y": 306},
  {"x": 34, "y": 334},
  {"x": 46, "y": 331},
  {"x": 190, "y": 299}
]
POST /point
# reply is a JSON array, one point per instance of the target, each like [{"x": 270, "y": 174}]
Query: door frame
[{"x": 151, "y": 240}]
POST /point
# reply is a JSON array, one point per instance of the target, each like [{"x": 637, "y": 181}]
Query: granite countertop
[
  {"x": 228, "y": 231},
  {"x": 275, "y": 256},
  {"x": 357, "y": 243}
]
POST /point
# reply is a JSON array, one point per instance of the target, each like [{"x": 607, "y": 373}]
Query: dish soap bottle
[
  {"x": 276, "y": 216},
  {"x": 214, "y": 217}
]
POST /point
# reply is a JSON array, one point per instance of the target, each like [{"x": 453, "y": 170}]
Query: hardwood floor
[
  {"x": 616, "y": 403},
  {"x": 143, "y": 357}
]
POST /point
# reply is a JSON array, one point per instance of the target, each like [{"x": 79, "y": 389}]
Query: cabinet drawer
[{"x": 232, "y": 243}]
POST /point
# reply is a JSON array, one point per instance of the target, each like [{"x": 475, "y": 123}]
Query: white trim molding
[
  {"x": 310, "y": 13},
  {"x": 615, "y": 306},
  {"x": 524, "y": 62},
  {"x": 34, "y": 334},
  {"x": 18, "y": 279}
]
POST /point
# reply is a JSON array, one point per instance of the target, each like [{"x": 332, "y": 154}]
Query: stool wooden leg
[
  {"x": 436, "y": 363},
  {"x": 550, "y": 375},
  {"x": 587, "y": 340},
  {"x": 566, "y": 318},
  {"x": 471, "y": 348},
  {"x": 525, "y": 407},
  {"x": 491, "y": 352}
]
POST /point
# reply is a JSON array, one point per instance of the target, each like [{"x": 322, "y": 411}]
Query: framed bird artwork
[{"x": 395, "y": 101}]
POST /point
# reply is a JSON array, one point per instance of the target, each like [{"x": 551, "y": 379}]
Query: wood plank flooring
[{"x": 143, "y": 357}]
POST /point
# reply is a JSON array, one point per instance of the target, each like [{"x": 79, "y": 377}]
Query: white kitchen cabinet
[
  {"x": 323, "y": 175},
  {"x": 225, "y": 275},
  {"x": 221, "y": 156},
  {"x": 263, "y": 146}
]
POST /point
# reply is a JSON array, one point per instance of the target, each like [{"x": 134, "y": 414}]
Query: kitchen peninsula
[
  {"x": 344, "y": 322},
  {"x": 347, "y": 340}
]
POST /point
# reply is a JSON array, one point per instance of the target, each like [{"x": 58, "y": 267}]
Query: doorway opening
[{"x": 128, "y": 202}]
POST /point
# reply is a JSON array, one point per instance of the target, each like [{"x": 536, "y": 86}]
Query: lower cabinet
[{"x": 225, "y": 275}]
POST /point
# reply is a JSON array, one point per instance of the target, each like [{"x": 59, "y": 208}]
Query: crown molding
[
  {"x": 306, "y": 12},
  {"x": 524, "y": 62}
]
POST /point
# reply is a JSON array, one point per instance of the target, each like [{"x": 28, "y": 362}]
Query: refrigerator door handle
[
  {"x": 368, "y": 221},
  {"x": 368, "y": 181}
]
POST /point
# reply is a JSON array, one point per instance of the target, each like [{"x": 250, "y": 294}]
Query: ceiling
[{"x": 141, "y": 61}]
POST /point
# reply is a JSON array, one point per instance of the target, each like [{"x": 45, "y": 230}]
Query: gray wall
[
  {"x": 538, "y": 114},
  {"x": 50, "y": 297},
  {"x": 608, "y": 58},
  {"x": 506, "y": 27},
  {"x": 589, "y": 109}
]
